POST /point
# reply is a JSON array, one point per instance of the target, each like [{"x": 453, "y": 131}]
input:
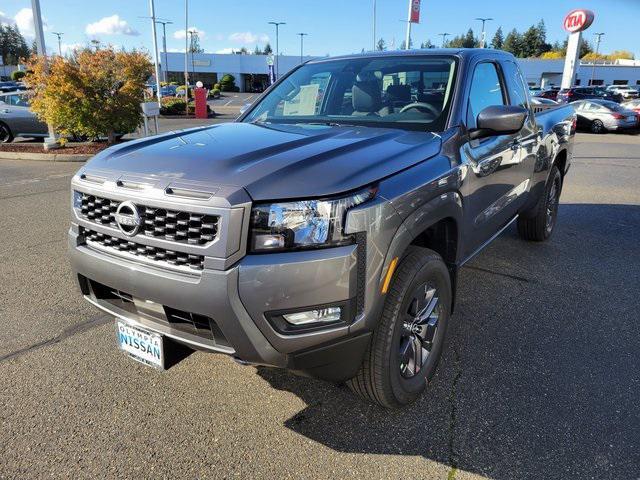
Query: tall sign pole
[
  {"x": 374, "y": 26},
  {"x": 575, "y": 23},
  {"x": 186, "y": 57},
  {"x": 412, "y": 17}
]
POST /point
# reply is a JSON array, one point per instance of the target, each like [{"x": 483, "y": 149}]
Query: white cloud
[
  {"x": 5, "y": 19},
  {"x": 179, "y": 34},
  {"x": 226, "y": 50},
  {"x": 24, "y": 21},
  {"x": 70, "y": 47},
  {"x": 248, "y": 38},
  {"x": 112, "y": 25}
]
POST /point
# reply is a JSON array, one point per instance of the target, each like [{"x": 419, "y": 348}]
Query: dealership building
[{"x": 251, "y": 71}]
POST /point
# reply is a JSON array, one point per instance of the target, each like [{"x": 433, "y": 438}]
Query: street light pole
[
  {"x": 444, "y": 38},
  {"x": 374, "y": 26},
  {"x": 593, "y": 67},
  {"x": 483, "y": 20},
  {"x": 165, "y": 67},
  {"x": 193, "y": 64},
  {"x": 277, "y": 24},
  {"x": 155, "y": 47},
  {"x": 50, "y": 141},
  {"x": 407, "y": 42},
  {"x": 302, "y": 35},
  {"x": 186, "y": 58},
  {"x": 59, "y": 35}
]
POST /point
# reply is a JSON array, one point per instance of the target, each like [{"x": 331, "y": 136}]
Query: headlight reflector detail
[{"x": 303, "y": 224}]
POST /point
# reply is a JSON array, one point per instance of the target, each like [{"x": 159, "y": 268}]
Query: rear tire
[
  {"x": 540, "y": 226},
  {"x": 407, "y": 343},
  {"x": 597, "y": 127},
  {"x": 5, "y": 134}
]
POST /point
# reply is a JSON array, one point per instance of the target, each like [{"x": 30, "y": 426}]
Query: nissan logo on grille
[{"x": 128, "y": 218}]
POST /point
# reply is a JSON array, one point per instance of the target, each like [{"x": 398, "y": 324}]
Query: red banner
[{"x": 415, "y": 11}]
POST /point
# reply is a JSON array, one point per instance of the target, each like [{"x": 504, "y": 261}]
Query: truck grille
[
  {"x": 171, "y": 257},
  {"x": 173, "y": 225}
]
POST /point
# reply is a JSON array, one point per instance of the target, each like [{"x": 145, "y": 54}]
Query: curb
[{"x": 45, "y": 157}]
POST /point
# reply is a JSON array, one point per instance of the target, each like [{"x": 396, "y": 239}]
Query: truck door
[{"x": 495, "y": 174}]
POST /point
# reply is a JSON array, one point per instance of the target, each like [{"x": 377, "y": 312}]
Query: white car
[{"x": 625, "y": 90}]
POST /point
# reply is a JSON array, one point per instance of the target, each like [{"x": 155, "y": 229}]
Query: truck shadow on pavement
[{"x": 540, "y": 377}]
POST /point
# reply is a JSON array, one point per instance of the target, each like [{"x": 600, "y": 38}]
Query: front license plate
[{"x": 140, "y": 344}]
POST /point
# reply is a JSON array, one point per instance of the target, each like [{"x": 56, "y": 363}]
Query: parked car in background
[
  {"x": 550, "y": 93},
  {"x": 534, "y": 90},
  {"x": 573, "y": 94},
  {"x": 625, "y": 91},
  {"x": 11, "y": 86},
  {"x": 17, "y": 120},
  {"x": 543, "y": 101},
  {"x": 168, "y": 91},
  {"x": 632, "y": 105},
  {"x": 600, "y": 116}
]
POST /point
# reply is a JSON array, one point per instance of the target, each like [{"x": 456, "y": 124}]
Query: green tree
[
  {"x": 427, "y": 44},
  {"x": 381, "y": 45},
  {"x": 513, "y": 43},
  {"x": 463, "y": 41},
  {"x": 498, "y": 39},
  {"x": 267, "y": 49},
  {"x": 17, "y": 75},
  {"x": 257, "y": 51},
  {"x": 13, "y": 46},
  {"x": 194, "y": 45}
]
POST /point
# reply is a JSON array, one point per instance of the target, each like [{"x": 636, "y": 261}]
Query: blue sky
[{"x": 334, "y": 26}]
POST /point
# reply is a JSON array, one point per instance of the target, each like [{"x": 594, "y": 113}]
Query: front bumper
[{"x": 236, "y": 299}]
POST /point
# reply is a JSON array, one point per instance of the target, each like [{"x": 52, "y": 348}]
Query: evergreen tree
[
  {"x": 513, "y": 43},
  {"x": 498, "y": 39},
  {"x": 13, "y": 46},
  {"x": 427, "y": 44},
  {"x": 267, "y": 49},
  {"x": 470, "y": 40},
  {"x": 381, "y": 45},
  {"x": 257, "y": 51}
]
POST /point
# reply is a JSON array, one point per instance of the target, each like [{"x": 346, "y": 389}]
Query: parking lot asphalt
[{"x": 540, "y": 377}]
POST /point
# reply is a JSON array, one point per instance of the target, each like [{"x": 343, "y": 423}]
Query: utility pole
[
  {"x": 483, "y": 20},
  {"x": 302, "y": 35},
  {"x": 155, "y": 46},
  {"x": 50, "y": 141},
  {"x": 193, "y": 33},
  {"x": 186, "y": 57},
  {"x": 593, "y": 67},
  {"x": 59, "y": 35},
  {"x": 277, "y": 24},
  {"x": 165, "y": 66},
  {"x": 444, "y": 38}
]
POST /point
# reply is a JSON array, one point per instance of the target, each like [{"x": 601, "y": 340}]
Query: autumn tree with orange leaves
[{"x": 92, "y": 93}]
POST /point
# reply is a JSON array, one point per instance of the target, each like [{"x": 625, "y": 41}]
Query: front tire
[
  {"x": 407, "y": 344},
  {"x": 540, "y": 226}
]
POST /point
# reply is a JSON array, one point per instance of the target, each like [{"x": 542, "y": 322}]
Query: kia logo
[
  {"x": 128, "y": 218},
  {"x": 578, "y": 20}
]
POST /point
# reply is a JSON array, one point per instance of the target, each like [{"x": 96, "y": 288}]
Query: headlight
[{"x": 303, "y": 224}]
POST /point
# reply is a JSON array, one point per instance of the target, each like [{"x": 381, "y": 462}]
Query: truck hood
[{"x": 273, "y": 161}]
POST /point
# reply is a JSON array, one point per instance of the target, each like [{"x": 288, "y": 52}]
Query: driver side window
[{"x": 486, "y": 91}]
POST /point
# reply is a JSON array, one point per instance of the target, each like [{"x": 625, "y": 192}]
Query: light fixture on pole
[
  {"x": 302, "y": 35},
  {"x": 483, "y": 20},
  {"x": 444, "y": 38},
  {"x": 165, "y": 66},
  {"x": 152, "y": 12},
  {"x": 277, "y": 25},
  {"x": 59, "y": 35},
  {"x": 593, "y": 67}
]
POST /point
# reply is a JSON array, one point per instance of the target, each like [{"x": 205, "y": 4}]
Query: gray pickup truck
[{"x": 323, "y": 231}]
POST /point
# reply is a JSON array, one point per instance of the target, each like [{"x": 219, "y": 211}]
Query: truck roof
[{"x": 459, "y": 52}]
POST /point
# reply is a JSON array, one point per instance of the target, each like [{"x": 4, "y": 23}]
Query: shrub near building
[{"x": 93, "y": 93}]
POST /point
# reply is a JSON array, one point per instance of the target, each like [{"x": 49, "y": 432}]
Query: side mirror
[
  {"x": 244, "y": 108},
  {"x": 499, "y": 120}
]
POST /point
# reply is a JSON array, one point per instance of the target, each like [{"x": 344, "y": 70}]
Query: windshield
[{"x": 399, "y": 92}]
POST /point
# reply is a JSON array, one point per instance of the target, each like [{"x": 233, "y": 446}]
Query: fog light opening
[{"x": 323, "y": 315}]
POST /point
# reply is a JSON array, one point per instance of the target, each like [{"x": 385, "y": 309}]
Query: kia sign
[
  {"x": 415, "y": 11},
  {"x": 578, "y": 20}
]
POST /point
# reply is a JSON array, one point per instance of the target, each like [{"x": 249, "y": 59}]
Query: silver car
[
  {"x": 600, "y": 116},
  {"x": 17, "y": 120},
  {"x": 626, "y": 91}
]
